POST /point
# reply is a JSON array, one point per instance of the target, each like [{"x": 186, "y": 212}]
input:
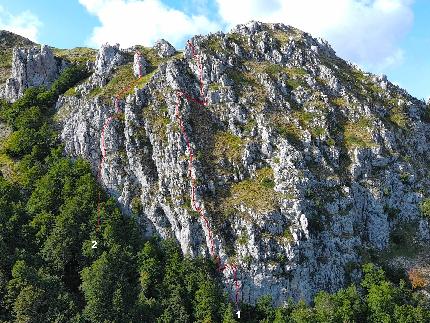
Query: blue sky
[{"x": 382, "y": 36}]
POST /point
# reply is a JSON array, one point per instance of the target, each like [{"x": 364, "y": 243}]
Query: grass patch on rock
[
  {"x": 215, "y": 86},
  {"x": 358, "y": 133},
  {"x": 7, "y": 164},
  {"x": 238, "y": 39},
  {"x": 213, "y": 43},
  {"x": 287, "y": 235},
  {"x": 243, "y": 239},
  {"x": 339, "y": 102},
  {"x": 286, "y": 128},
  {"x": 307, "y": 121},
  {"x": 281, "y": 37},
  {"x": 70, "y": 92},
  {"x": 240, "y": 78},
  {"x": 121, "y": 78},
  {"x": 398, "y": 117},
  {"x": 249, "y": 126},
  {"x": 295, "y": 75},
  {"x": 5, "y": 65},
  {"x": 228, "y": 145},
  {"x": 158, "y": 120},
  {"x": 256, "y": 193},
  {"x": 246, "y": 82},
  {"x": 76, "y": 55},
  {"x": 425, "y": 208}
]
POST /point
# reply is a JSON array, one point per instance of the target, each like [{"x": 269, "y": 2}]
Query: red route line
[
  {"x": 105, "y": 126},
  {"x": 179, "y": 96}
]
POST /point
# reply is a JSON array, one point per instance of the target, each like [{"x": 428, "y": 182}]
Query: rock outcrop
[
  {"x": 306, "y": 166},
  {"x": 31, "y": 67},
  {"x": 164, "y": 48},
  {"x": 108, "y": 58},
  {"x": 139, "y": 65},
  {"x": 8, "y": 41}
]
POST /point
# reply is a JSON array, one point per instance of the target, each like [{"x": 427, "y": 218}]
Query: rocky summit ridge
[{"x": 306, "y": 166}]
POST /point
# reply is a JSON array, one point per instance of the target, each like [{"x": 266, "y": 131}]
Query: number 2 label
[{"x": 94, "y": 246}]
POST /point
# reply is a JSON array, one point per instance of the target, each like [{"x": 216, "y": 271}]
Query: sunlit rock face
[{"x": 31, "y": 67}]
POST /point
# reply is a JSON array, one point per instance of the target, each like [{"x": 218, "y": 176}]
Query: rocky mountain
[
  {"x": 295, "y": 167},
  {"x": 8, "y": 41}
]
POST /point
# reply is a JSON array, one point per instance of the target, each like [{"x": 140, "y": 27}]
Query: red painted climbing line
[
  {"x": 179, "y": 96},
  {"x": 105, "y": 126}
]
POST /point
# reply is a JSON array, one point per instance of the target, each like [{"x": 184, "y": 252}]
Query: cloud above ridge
[
  {"x": 367, "y": 32},
  {"x": 131, "y": 22},
  {"x": 25, "y": 23}
]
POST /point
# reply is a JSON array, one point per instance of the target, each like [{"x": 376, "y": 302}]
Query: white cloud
[
  {"x": 367, "y": 32},
  {"x": 396, "y": 58},
  {"x": 131, "y": 22},
  {"x": 25, "y": 23}
]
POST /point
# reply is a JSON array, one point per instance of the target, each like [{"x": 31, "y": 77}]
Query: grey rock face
[
  {"x": 139, "y": 65},
  {"x": 30, "y": 67},
  {"x": 107, "y": 59},
  {"x": 250, "y": 28},
  {"x": 164, "y": 48},
  {"x": 336, "y": 157}
]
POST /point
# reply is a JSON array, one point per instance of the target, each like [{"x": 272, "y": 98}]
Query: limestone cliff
[
  {"x": 31, "y": 67},
  {"x": 9, "y": 41},
  {"x": 305, "y": 165}
]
